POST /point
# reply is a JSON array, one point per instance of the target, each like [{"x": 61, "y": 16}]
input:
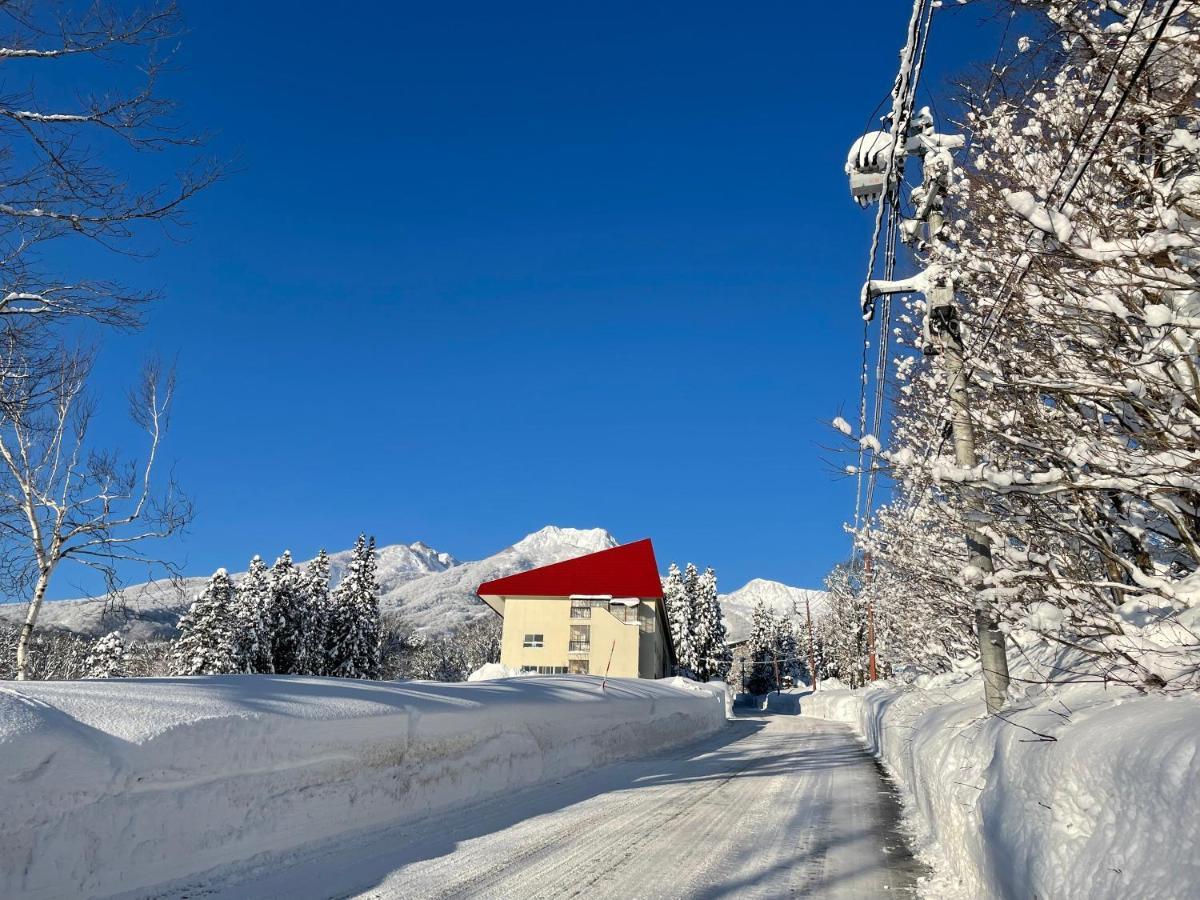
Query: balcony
[{"x": 579, "y": 647}]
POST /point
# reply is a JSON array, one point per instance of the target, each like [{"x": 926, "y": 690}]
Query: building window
[
  {"x": 578, "y": 667},
  {"x": 535, "y": 640},
  {"x": 624, "y": 613},
  {"x": 581, "y": 639},
  {"x": 548, "y": 670},
  {"x": 581, "y": 609},
  {"x": 529, "y": 668},
  {"x": 648, "y": 620}
]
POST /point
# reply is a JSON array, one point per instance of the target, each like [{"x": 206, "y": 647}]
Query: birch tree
[
  {"x": 66, "y": 499},
  {"x": 80, "y": 102}
]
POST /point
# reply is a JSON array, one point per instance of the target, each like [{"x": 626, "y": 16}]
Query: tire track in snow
[{"x": 775, "y": 806}]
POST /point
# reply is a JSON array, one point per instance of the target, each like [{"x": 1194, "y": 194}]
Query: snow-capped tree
[
  {"x": 450, "y": 656},
  {"x": 355, "y": 632},
  {"x": 677, "y": 603},
  {"x": 1073, "y": 239},
  {"x": 288, "y": 617},
  {"x": 481, "y": 642},
  {"x": 761, "y": 650},
  {"x": 107, "y": 657},
  {"x": 207, "y": 642},
  {"x": 252, "y": 610},
  {"x": 773, "y": 652},
  {"x": 81, "y": 75},
  {"x": 317, "y": 596},
  {"x": 712, "y": 655}
]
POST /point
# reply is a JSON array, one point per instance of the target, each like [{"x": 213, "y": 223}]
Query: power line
[
  {"x": 903, "y": 99},
  {"x": 1008, "y": 287}
]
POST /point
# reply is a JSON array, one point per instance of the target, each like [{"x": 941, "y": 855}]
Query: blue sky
[{"x": 485, "y": 267}]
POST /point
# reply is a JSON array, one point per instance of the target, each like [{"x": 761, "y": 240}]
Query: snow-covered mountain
[
  {"x": 738, "y": 606},
  {"x": 444, "y": 599},
  {"x": 430, "y": 589},
  {"x": 427, "y": 588},
  {"x": 152, "y": 609}
]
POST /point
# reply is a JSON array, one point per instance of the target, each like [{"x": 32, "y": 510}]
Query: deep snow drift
[
  {"x": 122, "y": 785},
  {"x": 1079, "y": 791}
]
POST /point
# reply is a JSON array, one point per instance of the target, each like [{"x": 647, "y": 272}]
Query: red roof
[{"x": 626, "y": 571}]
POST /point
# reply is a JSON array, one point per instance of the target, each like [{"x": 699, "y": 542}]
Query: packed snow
[
  {"x": 122, "y": 785},
  {"x": 772, "y": 806},
  {"x": 1077, "y": 791}
]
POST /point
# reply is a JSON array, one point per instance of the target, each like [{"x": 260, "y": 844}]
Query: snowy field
[
  {"x": 120, "y": 786},
  {"x": 1081, "y": 791}
]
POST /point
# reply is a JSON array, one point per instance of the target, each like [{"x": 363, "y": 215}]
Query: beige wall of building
[{"x": 583, "y": 643}]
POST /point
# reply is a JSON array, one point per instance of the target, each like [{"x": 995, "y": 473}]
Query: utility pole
[
  {"x": 944, "y": 328},
  {"x": 868, "y": 573},
  {"x": 942, "y": 336}
]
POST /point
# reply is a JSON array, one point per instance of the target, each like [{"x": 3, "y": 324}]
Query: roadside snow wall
[
  {"x": 121, "y": 785},
  {"x": 1108, "y": 809}
]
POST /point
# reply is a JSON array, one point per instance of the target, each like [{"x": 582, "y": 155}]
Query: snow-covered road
[{"x": 776, "y": 805}]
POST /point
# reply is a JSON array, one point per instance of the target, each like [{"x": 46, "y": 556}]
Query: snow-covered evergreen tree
[
  {"x": 760, "y": 674},
  {"x": 773, "y": 652},
  {"x": 289, "y": 617},
  {"x": 107, "y": 657},
  {"x": 787, "y": 649},
  {"x": 207, "y": 643},
  {"x": 712, "y": 655},
  {"x": 354, "y": 624},
  {"x": 317, "y": 596},
  {"x": 678, "y": 606},
  {"x": 251, "y": 615}
]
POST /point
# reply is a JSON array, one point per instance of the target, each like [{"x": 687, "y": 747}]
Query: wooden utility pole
[
  {"x": 868, "y": 574},
  {"x": 947, "y": 339},
  {"x": 872, "y": 177}
]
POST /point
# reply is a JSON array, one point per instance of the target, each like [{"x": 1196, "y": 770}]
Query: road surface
[{"x": 777, "y": 805}]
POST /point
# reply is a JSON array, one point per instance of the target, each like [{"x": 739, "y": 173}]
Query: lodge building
[{"x": 599, "y": 614}]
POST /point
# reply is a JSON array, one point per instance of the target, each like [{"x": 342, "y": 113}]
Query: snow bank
[
  {"x": 121, "y": 785},
  {"x": 494, "y": 671},
  {"x": 1107, "y": 809}
]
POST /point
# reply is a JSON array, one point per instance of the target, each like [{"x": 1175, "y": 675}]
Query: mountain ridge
[{"x": 429, "y": 589}]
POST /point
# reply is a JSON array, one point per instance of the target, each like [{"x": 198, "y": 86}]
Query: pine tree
[
  {"x": 678, "y": 607},
  {"x": 787, "y": 649},
  {"x": 355, "y": 631},
  {"x": 107, "y": 657},
  {"x": 759, "y": 679},
  {"x": 253, "y": 602},
  {"x": 712, "y": 655},
  {"x": 316, "y": 593},
  {"x": 207, "y": 644},
  {"x": 288, "y": 617}
]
